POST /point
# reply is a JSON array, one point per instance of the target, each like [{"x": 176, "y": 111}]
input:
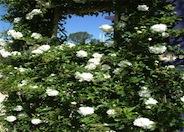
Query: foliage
[{"x": 130, "y": 86}]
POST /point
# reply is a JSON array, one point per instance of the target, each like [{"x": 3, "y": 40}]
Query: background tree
[
  {"x": 80, "y": 37},
  {"x": 94, "y": 41}
]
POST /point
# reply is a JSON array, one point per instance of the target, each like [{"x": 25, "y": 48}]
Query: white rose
[
  {"x": 112, "y": 54},
  {"x": 84, "y": 76},
  {"x": 17, "y": 19},
  {"x": 44, "y": 47},
  {"x": 181, "y": 56},
  {"x": 22, "y": 115},
  {"x": 81, "y": 53},
  {"x": 149, "y": 39},
  {"x": 159, "y": 28},
  {"x": 142, "y": 8},
  {"x": 36, "y": 121},
  {"x": 41, "y": 49},
  {"x": 165, "y": 35},
  {"x": 52, "y": 92},
  {"x": 151, "y": 101},
  {"x": 37, "y": 51},
  {"x": 106, "y": 76},
  {"x": 2, "y": 97},
  {"x": 15, "y": 53},
  {"x": 144, "y": 92},
  {"x": 23, "y": 82},
  {"x": 36, "y": 35},
  {"x": 170, "y": 67},
  {"x": 11, "y": 118},
  {"x": 111, "y": 112},
  {"x": 182, "y": 76},
  {"x": 20, "y": 69},
  {"x": 95, "y": 61},
  {"x": 15, "y": 34},
  {"x": 86, "y": 110},
  {"x": 167, "y": 57},
  {"x": 124, "y": 63},
  {"x": 106, "y": 28},
  {"x": 18, "y": 108},
  {"x": 90, "y": 66},
  {"x": 157, "y": 49},
  {"x": 73, "y": 103},
  {"x": 182, "y": 99},
  {"x": 18, "y": 35},
  {"x": 116, "y": 71},
  {"x": 143, "y": 122},
  {"x": 30, "y": 15},
  {"x": 4, "y": 53},
  {"x": 97, "y": 55},
  {"x": 36, "y": 11},
  {"x": 105, "y": 67}
]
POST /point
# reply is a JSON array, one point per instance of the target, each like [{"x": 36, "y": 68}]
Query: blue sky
[{"x": 75, "y": 24}]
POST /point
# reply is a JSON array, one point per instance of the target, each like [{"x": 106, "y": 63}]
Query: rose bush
[{"x": 128, "y": 86}]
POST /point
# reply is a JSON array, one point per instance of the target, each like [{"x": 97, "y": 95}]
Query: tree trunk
[
  {"x": 55, "y": 22},
  {"x": 117, "y": 16}
]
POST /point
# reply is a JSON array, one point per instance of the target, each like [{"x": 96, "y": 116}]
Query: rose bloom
[
  {"x": 142, "y": 8},
  {"x": 143, "y": 122},
  {"x": 159, "y": 28},
  {"x": 37, "y": 51},
  {"x": 17, "y": 19},
  {"x": 35, "y": 121},
  {"x": 52, "y": 92},
  {"x": 44, "y": 47},
  {"x": 86, "y": 110},
  {"x": 41, "y": 49},
  {"x": 36, "y": 35},
  {"x": 81, "y": 53},
  {"x": 151, "y": 101},
  {"x": 15, "y": 34},
  {"x": 15, "y": 53},
  {"x": 84, "y": 76},
  {"x": 124, "y": 63},
  {"x": 167, "y": 57},
  {"x": 95, "y": 61},
  {"x": 11, "y": 118},
  {"x": 182, "y": 99},
  {"x": 106, "y": 28},
  {"x": 182, "y": 76},
  {"x": 111, "y": 112},
  {"x": 30, "y": 15},
  {"x": 5, "y": 53},
  {"x": 116, "y": 71},
  {"x": 90, "y": 66},
  {"x": 106, "y": 76},
  {"x": 18, "y": 108},
  {"x": 170, "y": 67},
  {"x": 144, "y": 92},
  {"x": 97, "y": 55},
  {"x": 105, "y": 67},
  {"x": 157, "y": 49}
]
